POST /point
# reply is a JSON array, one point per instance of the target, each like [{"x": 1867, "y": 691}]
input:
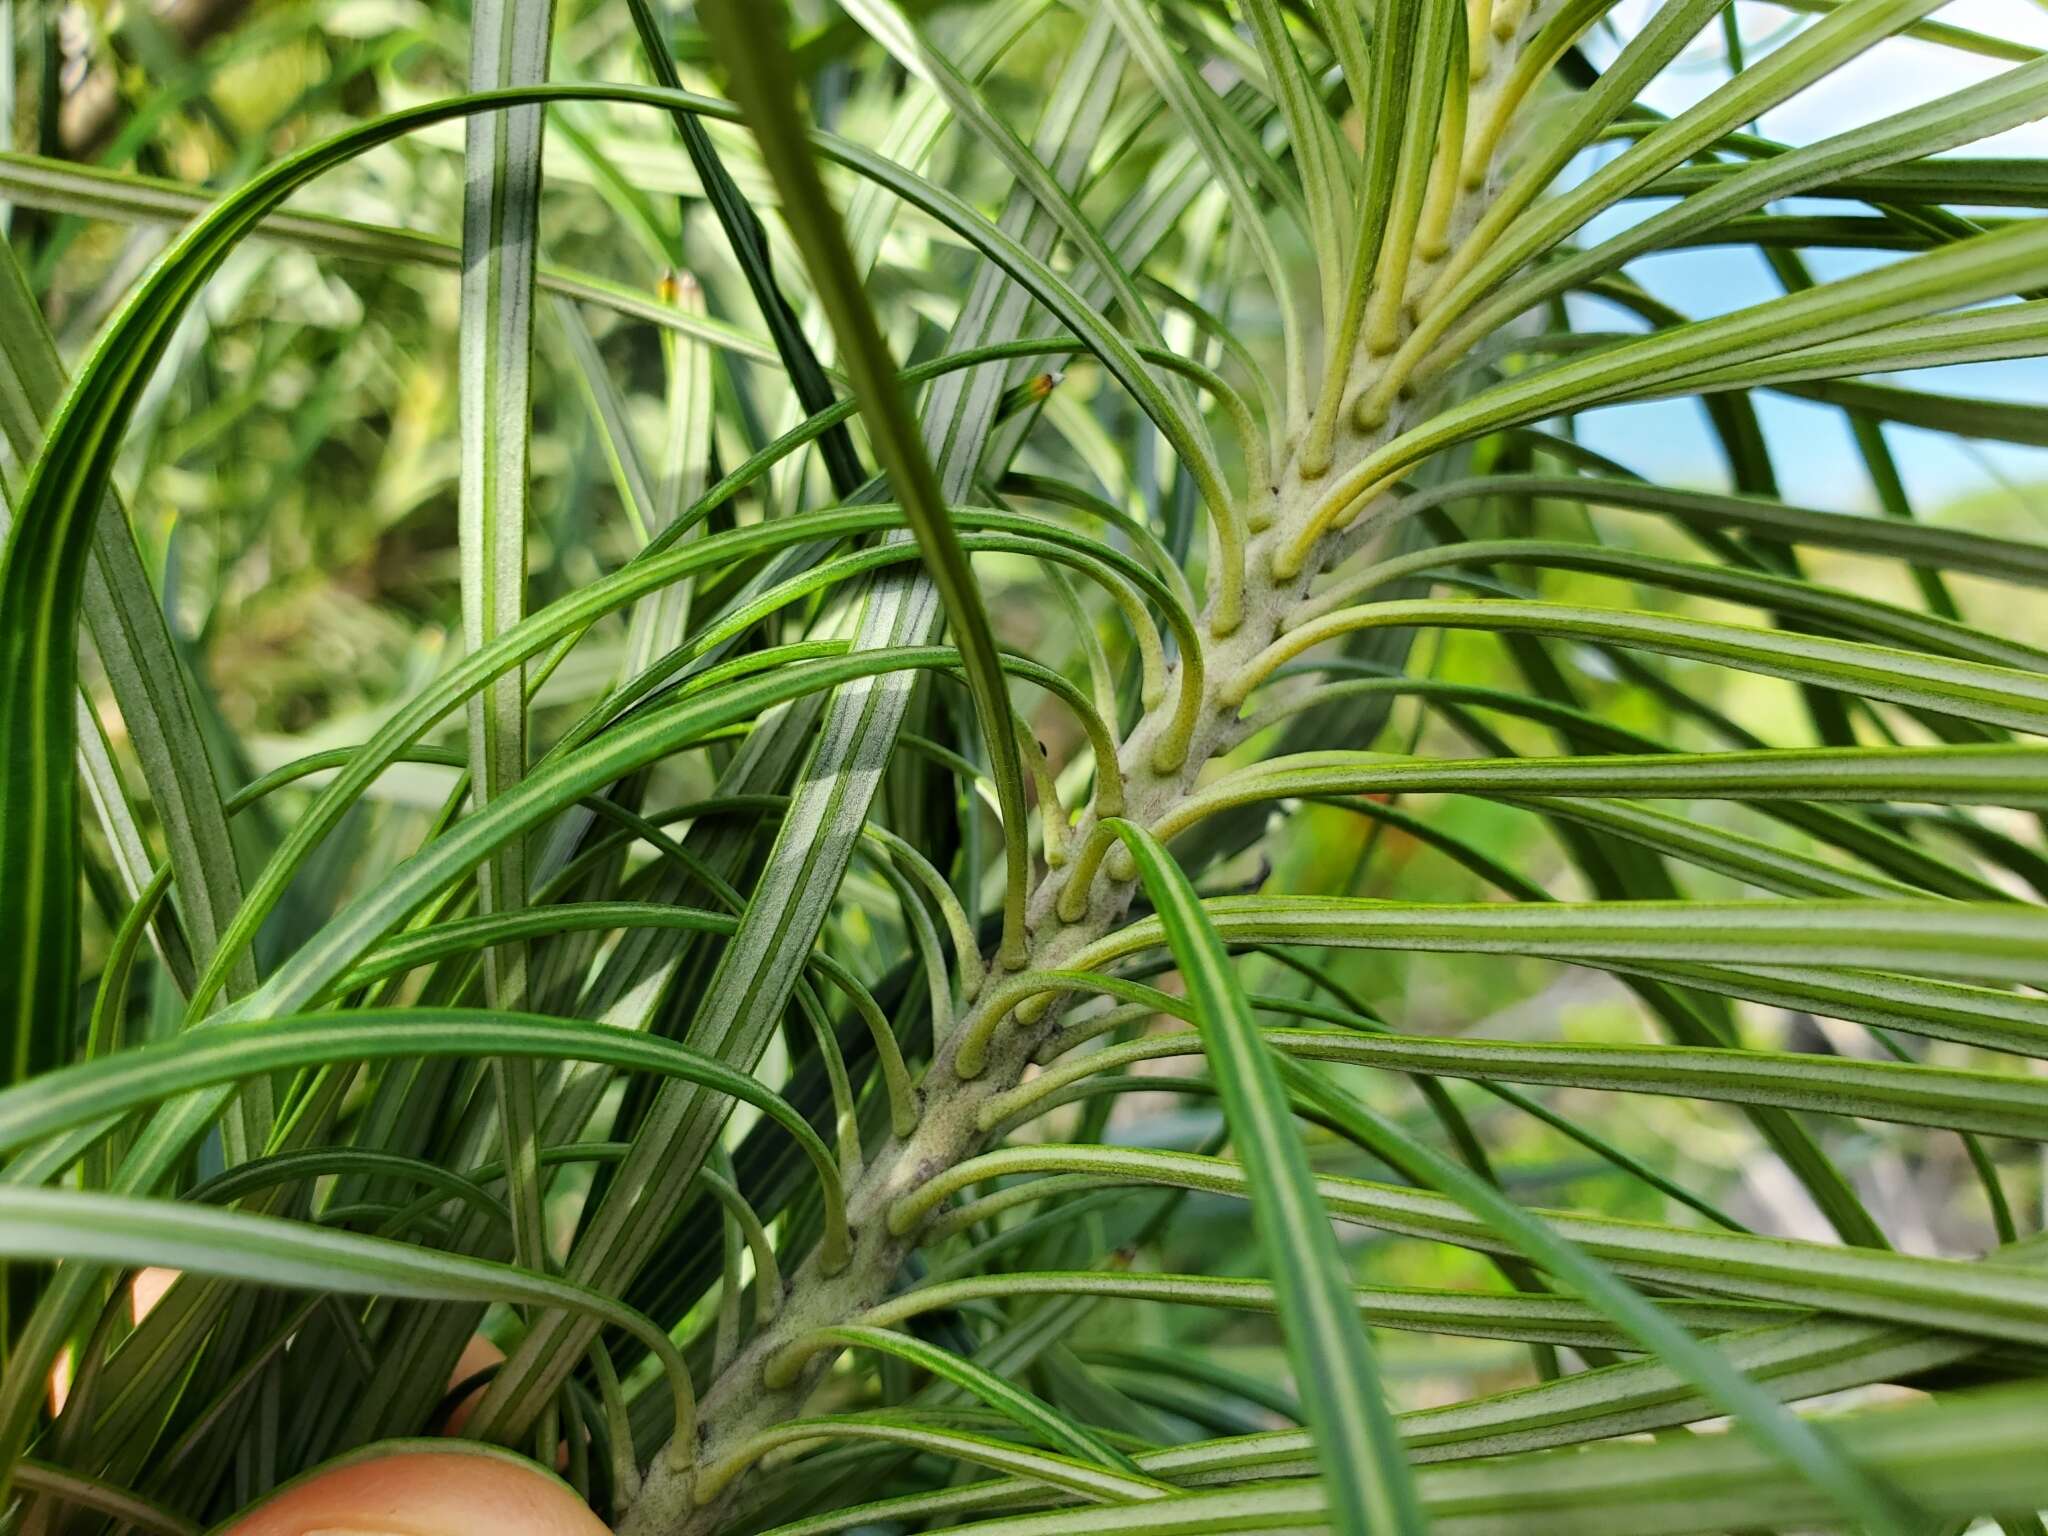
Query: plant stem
[{"x": 739, "y": 1405}]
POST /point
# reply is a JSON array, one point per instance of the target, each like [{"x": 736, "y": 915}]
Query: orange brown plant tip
[{"x": 412, "y": 1488}]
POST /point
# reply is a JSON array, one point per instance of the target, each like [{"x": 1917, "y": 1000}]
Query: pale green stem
[{"x": 767, "y": 1274}]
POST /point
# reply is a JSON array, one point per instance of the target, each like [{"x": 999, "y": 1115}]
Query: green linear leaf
[
  {"x": 1514, "y": 231},
  {"x": 1996, "y": 1020},
  {"x": 1993, "y": 1298},
  {"x": 1940, "y": 938},
  {"x": 2009, "y": 421},
  {"x": 1957, "y": 549},
  {"x": 1963, "y": 1456},
  {"x": 1513, "y": 1315},
  {"x": 764, "y": 81},
  {"x": 1857, "y": 616},
  {"x": 46, "y": 547},
  {"x": 2007, "y": 696},
  {"x": 144, "y": 670},
  {"x": 1939, "y": 32},
  {"x": 2013, "y": 259},
  {"x": 127, "y": 197},
  {"x": 122, "y": 1230},
  {"x": 749, "y": 242},
  {"x": 1362, "y": 1464},
  {"x": 99, "y": 1496},
  {"x": 1582, "y": 731},
  {"x": 1198, "y": 109},
  {"x": 832, "y": 798},
  {"x": 1048, "y": 1468},
  {"x": 922, "y": 115},
  {"x": 1806, "y": 1448},
  {"x": 1995, "y": 775},
  {"x": 88, "y": 1092},
  {"x": 750, "y": 248},
  {"x": 1055, "y": 1429},
  {"x": 1795, "y": 1360},
  {"x": 1323, "y": 162},
  {"x": 1997, "y": 1105},
  {"x": 1780, "y": 871},
  {"x": 1962, "y": 117},
  {"x": 1990, "y": 181},
  {"x": 500, "y": 236}
]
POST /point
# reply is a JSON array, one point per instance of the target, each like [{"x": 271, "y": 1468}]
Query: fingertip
[{"x": 426, "y": 1491}]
